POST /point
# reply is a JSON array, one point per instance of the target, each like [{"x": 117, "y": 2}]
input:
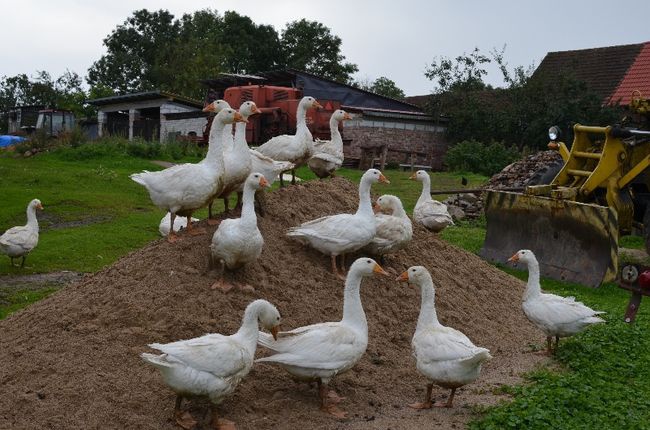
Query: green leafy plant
[{"x": 476, "y": 157}]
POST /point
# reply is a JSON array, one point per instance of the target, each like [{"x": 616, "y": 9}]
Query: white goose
[
  {"x": 328, "y": 154},
  {"x": 184, "y": 188},
  {"x": 238, "y": 241},
  {"x": 296, "y": 148},
  {"x": 445, "y": 356},
  {"x": 237, "y": 159},
  {"x": 339, "y": 234},
  {"x": 19, "y": 241},
  {"x": 228, "y": 143},
  {"x": 394, "y": 229},
  {"x": 318, "y": 352},
  {"x": 179, "y": 224},
  {"x": 429, "y": 212},
  {"x": 212, "y": 365},
  {"x": 554, "y": 315}
]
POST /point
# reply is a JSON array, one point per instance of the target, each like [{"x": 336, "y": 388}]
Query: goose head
[
  {"x": 340, "y": 115},
  {"x": 366, "y": 267},
  {"x": 35, "y": 204},
  {"x": 415, "y": 275},
  {"x": 524, "y": 255},
  {"x": 308, "y": 102},
  {"x": 386, "y": 204},
  {"x": 420, "y": 175},
  {"x": 268, "y": 317},
  {"x": 257, "y": 181},
  {"x": 374, "y": 175},
  {"x": 248, "y": 108},
  {"x": 216, "y": 106},
  {"x": 229, "y": 115}
]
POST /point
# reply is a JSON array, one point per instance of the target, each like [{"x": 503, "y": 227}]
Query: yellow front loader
[{"x": 573, "y": 224}]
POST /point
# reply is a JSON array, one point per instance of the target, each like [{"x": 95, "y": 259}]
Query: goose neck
[
  {"x": 425, "y": 196},
  {"x": 248, "y": 216},
  {"x": 216, "y": 142},
  {"x": 428, "y": 315},
  {"x": 533, "y": 288},
  {"x": 352, "y": 309},
  {"x": 334, "y": 130},
  {"x": 365, "y": 204},
  {"x": 31, "y": 217},
  {"x": 247, "y": 333}
]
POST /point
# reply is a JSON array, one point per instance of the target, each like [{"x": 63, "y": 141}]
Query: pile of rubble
[
  {"x": 520, "y": 172},
  {"x": 515, "y": 175}
]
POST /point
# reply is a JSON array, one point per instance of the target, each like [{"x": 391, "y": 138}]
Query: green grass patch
[{"x": 21, "y": 299}]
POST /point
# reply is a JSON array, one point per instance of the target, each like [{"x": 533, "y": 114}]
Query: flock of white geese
[{"x": 213, "y": 365}]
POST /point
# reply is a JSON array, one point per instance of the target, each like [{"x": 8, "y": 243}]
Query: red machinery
[{"x": 278, "y": 106}]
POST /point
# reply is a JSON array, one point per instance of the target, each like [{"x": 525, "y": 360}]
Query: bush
[{"x": 476, "y": 157}]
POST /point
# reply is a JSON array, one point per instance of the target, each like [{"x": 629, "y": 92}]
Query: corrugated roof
[
  {"x": 146, "y": 95},
  {"x": 602, "y": 69},
  {"x": 636, "y": 79}
]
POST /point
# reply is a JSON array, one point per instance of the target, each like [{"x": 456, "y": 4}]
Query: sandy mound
[{"x": 72, "y": 361}]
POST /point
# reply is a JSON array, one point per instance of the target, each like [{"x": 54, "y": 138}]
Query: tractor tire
[{"x": 545, "y": 175}]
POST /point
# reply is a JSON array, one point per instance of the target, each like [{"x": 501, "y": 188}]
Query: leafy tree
[
  {"x": 310, "y": 46},
  {"x": 518, "y": 115},
  {"x": 133, "y": 58},
  {"x": 382, "y": 86}
]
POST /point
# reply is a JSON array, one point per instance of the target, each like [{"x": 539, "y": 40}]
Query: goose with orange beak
[
  {"x": 21, "y": 240},
  {"x": 296, "y": 148},
  {"x": 212, "y": 365},
  {"x": 185, "y": 188},
  {"x": 238, "y": 241},
  {"x": 237, "y": 159},
  {"x": 445, "y": 356},
  {"x": 555, "y": 315},
  {"x": 328, "y": 154},
  {"x": 343, "y": 233},
  {"x": 431, "y": 213},
  {"x": 319, "y": 352}
]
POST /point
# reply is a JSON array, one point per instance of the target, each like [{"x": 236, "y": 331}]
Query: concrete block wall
[{"x": 183, "y": 127}]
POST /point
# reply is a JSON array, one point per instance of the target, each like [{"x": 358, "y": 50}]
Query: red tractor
[{"x": 278, "y": 106}]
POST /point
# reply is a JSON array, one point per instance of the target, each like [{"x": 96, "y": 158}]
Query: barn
[{"x": 382, "y": 129}]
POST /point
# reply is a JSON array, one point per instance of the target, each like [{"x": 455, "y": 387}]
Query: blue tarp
[{"x": 6, "y": 140}]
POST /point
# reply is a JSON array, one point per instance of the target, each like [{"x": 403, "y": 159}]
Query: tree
[
  {"x": 386, "y": 87},
  {"x": 134, "y": 60},
  {"x": 519, "y": 114},
  {"x": 310, "y": 46}
]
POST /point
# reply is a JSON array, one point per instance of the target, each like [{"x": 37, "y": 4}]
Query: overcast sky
[{"x": 396, "y": 39}]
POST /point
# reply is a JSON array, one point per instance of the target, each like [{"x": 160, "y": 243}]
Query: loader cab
[{"x": 53, "y": 122}]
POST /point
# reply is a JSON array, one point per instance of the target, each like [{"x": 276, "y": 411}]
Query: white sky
[{"x": 396, "y": 39}]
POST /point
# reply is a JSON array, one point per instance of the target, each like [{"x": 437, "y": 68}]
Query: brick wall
[{"x": 402, "y": 138}]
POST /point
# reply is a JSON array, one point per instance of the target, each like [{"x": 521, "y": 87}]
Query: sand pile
[{"x": 72, "y": 361}]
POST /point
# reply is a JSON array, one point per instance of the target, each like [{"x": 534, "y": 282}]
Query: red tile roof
[
  {"x": 602, "y": 69},
  {"x": 637, "y": 78}
]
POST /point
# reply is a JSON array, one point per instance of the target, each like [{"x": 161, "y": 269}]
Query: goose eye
[
  {"x": 369, "y": 261},
  {"x": 413, "y": 270},
  {"x": 277, "y": 318}
]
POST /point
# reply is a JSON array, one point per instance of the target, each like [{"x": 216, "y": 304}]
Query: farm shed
[
  {"x": 402, "y": 131},
  {"x": 146, "y": 115},
  {"x": 22, "y": 119}
]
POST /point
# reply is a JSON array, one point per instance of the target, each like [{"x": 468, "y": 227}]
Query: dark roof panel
[
  {"x": 146, "y": 95},
  {"x": 601, "y": 69}
]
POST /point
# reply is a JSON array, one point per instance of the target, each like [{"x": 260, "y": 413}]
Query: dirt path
[{"x": 38, "y": 281}]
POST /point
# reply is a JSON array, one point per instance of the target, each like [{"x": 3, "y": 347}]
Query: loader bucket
[{"x": 572, "y": 241}]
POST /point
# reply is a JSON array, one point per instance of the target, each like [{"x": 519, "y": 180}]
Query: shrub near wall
[{"x": 476, "y": 157}]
